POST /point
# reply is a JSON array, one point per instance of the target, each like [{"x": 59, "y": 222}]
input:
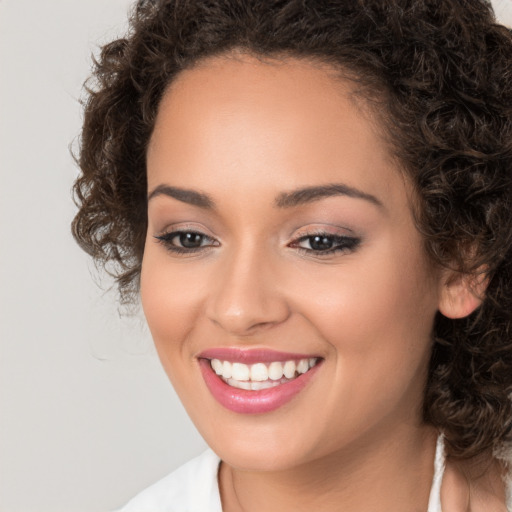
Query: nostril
[
  {"x": 243, "y": 297},
  {"x": 248, "y": 321}
]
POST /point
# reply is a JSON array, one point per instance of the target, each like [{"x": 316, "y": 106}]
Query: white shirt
[{"x": 194, "y": 488}]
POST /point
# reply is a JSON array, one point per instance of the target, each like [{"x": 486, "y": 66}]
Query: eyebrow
[
  {"x": 185, "y": 195},
  {"x": 309, "y": 194},
  {"x": 290, "y": 199}
]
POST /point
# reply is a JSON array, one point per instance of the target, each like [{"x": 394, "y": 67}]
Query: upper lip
[{"x": 250, "y": 356}]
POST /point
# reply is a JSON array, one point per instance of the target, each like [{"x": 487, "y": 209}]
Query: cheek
[
  {"x": 388, "y": 289},
  {"x": 378, "y": 326},
  {"x": 376, "y": 313},
  {"x": 171, "y": 300}
]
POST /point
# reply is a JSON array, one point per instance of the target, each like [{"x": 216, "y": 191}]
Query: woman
[{"x": 313, "y": 199}]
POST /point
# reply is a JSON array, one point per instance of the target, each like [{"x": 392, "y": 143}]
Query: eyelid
[
  {"x": 323, "y": 229},
  {"x": 341, "y": 242},
  {"x": 166, "y": 236},
  {"x": 172, "y": 233},
  {"x": 189, "y": 227},
  {"x": 344, "y": 243}
]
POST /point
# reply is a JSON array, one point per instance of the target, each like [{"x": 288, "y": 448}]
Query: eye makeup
[{"x": 318, "y": 243}]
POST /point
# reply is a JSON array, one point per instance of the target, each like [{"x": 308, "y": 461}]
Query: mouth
[
  {"x": 261, "y": 375},
  {"x": 256, "y": 381}
]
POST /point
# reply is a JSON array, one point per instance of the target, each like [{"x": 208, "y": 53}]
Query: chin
[
  {"x": 255, "y": 457},
  {"x": 260, "y": 447}
]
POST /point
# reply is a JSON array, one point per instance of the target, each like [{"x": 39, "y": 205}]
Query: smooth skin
[{"x": 231, "y": 260}]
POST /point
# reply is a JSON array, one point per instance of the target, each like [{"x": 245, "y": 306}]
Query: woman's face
[{"x": 281, "y": 239}]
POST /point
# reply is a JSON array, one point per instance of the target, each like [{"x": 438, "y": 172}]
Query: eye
[
  {"x": 182, "y": 242},
  {"x": 321, "y": 244}
]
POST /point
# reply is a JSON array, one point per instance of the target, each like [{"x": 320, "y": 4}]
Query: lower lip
[{"x": 253, "y": 402}]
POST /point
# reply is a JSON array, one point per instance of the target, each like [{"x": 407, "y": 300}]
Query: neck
[{"x": 385, "y": 473}]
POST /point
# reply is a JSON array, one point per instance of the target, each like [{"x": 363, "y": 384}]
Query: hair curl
[{"x": 442, "y": 73}]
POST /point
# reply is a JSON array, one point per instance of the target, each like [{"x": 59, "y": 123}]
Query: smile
[
  {"x": 256, "y": 381},
  {"x": 261, "y": 375}
]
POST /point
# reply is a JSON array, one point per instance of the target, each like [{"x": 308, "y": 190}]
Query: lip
[
  {"x": 254, "y": 402},
  {"x": 251, "y": 356}
]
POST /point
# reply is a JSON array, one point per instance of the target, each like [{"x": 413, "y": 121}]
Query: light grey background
[{"x": 87, "y": 416}]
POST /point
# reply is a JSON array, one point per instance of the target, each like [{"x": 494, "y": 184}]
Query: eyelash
[
  {"x": 341, "y": 243},
  {"x": 166, "y": 240}
]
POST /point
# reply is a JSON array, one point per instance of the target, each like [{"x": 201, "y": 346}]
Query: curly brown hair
[{"x": 439, "y": 73}]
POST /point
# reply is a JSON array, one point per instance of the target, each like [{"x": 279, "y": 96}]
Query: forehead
[{"x": 246, "y": 121}]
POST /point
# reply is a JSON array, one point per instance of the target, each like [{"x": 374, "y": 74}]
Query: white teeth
[
  {"x": 254, "y": 386},
  {"x": 260, "y": 375},
  {"x": 240, "y": 371},
  {"x": 259, "y": 372},
  {"x": 240, "y": 384},
  {"x": 217, "y": 366},
  {"x": 275, "y": 371},
  {"x": 303, "y": 366},
  {"x": 289, "y": 369},
  {"x": 226, "y": 370}
]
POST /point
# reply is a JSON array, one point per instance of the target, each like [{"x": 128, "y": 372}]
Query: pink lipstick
[{"x": 258, "y": 380}]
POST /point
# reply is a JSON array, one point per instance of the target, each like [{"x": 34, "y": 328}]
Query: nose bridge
[{"x": 246, "y": 295}]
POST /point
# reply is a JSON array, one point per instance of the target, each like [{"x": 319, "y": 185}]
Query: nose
[{"x": 246, "y": 297}]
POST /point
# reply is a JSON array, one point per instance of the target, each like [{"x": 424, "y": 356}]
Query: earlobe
[{"x": 461, "y": 294}]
